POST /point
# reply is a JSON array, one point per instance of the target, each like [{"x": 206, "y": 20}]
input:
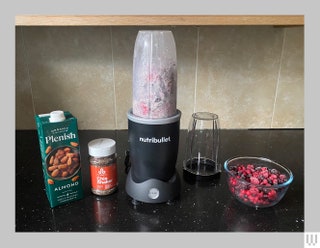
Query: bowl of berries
[{"x": 256, "y": 181}]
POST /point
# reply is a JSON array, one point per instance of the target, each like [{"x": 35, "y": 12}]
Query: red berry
[
  {"x": 265, "y": 174},
  {"x": 250, "y": 167},
  {"x": 254, "y": 180},
  {"x": 273, "y": 176},
  {"x": 272, "y": 194}
]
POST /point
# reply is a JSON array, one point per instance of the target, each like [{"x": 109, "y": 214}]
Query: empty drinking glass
[{"x": 202, "y": 146}]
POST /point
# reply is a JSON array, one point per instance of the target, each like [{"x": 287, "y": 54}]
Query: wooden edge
[{"x": 147, "y": 20}]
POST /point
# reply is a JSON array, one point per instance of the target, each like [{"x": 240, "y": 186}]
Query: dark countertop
[{"x": 201, "y": 207}]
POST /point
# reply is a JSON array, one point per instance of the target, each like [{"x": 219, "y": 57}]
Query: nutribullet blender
[{"x": 154, "y": 120}]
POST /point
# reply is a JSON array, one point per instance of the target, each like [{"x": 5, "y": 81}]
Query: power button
[{"x": 153, "y": 193}]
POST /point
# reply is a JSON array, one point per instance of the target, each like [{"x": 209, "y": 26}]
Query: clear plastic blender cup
[{"x": 154, "y": 75}]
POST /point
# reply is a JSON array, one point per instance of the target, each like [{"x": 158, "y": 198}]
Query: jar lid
[
  {"x": 57, "y": 116},
  {"x": 101, "y": 147}
]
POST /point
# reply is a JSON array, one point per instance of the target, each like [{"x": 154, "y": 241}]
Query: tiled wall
[{"x": 251, "y": 76}]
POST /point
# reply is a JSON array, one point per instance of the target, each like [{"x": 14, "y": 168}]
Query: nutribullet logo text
[{"x": 155, "y": 140}]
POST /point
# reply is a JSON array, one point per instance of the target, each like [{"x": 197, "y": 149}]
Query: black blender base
[{"x": 153, "y": 190}]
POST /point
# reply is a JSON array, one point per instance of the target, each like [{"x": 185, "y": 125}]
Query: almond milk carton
[{"x": 60, "y": 154}]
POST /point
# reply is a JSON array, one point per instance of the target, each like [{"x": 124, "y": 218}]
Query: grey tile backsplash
[{"x": 251, "y": 76}]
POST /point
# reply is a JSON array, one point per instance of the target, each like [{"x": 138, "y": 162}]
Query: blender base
[{"x": 153, "y": 190}]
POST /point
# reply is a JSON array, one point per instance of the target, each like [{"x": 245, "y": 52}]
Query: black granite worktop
[{"x": 201, "y": 207}]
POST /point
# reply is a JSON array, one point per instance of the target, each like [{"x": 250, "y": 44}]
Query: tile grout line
[
  {"x": 25, "y": 56},
  {"x": 113, "y": 81},
  {"x": 196, "y": 71},
  {"x": 278, "y": 78}
]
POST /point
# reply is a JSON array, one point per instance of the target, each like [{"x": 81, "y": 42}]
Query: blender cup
[
  {"x": 201, "y": 160},
  {"x": 154, "y": 75}
]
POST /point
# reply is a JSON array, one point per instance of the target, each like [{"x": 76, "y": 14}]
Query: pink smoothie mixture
[
  {"x": 155, "y": 92},
  {"x": 154, "y": 75}
]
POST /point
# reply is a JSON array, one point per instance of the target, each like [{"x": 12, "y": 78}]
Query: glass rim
[{"x": 205, "y": 116}]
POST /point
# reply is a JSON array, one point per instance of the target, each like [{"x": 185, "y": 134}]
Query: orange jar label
[{"x": 103, "y": 177}]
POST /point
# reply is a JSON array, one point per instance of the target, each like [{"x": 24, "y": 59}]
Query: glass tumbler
[{"x": 202, "y": 146}]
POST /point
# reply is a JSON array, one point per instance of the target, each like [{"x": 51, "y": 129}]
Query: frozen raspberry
[
  {"x": 265, "y": 174},
  {"x": 272, "y": 195},
  {"x": 254, "y": 180},
  {"x": 273, "y": 176},
  {"x": 250, "y": 167}
]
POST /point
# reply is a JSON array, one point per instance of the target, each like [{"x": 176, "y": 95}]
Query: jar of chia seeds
[{"x": 103, "y": 166}]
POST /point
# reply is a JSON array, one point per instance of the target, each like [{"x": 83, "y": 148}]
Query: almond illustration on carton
[
  {"x": 63, "y": 162},
  {"x": 75, "y": 178},
  {"x": 50, "y": 181},
  {"x": 49, "y": 148},
  {"x": 75, "y": 144}
]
